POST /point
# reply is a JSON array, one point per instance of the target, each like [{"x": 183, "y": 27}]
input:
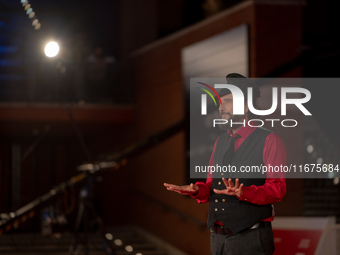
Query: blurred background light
[
  {"x": 129, "y": 248},
  {"x": 310, "y": 148},
  {"x": 108, "y": 236},
  {"x": 330, "y": 174},
  {"x": 35, "y": 22},
  {"x": 319, "y": 161},
  {"x": 118, "y": 242},
  {"x": 51, "y": 49},
  {"x": 37, "y": 27},
  {"x": 29, "y": 11}
]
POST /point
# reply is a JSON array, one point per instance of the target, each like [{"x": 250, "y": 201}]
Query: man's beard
[{"x": 233, "y": 119}]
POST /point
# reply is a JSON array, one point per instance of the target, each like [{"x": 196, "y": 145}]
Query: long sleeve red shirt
[{"x": 274, "y": 188}]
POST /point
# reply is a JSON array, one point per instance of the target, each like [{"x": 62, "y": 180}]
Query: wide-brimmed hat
[{"x": 241, "y": 82}]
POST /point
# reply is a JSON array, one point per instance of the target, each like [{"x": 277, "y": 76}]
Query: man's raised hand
[
  {"x": 183, "y": 190},
  {"x": 231, "y": 190}
]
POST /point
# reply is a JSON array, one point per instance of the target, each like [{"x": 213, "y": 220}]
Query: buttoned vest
[{"x": 235, "y": 214}]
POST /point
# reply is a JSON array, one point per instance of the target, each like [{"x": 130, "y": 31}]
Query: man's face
[
  {"x": 226, "y": 108},
  {"x": 226, "y": 112}
]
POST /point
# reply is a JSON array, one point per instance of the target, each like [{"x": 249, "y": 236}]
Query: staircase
[{"x": 125, "y": 240}]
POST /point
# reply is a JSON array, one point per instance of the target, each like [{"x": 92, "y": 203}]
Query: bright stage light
[{"x": 51, "y": 49}]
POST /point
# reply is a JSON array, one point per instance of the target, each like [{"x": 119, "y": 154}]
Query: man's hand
[
  {"x": 231, "y": 190},
  {"x": 183, "y": 190}
]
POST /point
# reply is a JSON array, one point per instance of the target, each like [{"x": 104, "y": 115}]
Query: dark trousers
[{"x": 259, "y": 241}]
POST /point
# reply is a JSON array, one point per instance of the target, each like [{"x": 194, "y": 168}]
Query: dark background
[{"x": 145, "y": 96}]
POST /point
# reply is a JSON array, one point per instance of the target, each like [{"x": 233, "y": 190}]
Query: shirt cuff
[
  {"x": 248, "y": 194},
  {"x": 201, "y": 192}
]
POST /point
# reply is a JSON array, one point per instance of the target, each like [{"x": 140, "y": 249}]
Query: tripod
[{"x": 86, "y": 207}]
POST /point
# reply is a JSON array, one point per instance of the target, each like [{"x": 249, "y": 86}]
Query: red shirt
[{"x": 274, "y": 188}]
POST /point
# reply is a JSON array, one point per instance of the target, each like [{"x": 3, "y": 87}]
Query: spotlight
[{"x": 51, "y": 49}]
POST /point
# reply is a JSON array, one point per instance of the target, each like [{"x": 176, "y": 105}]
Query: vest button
[
  {"x": 216, "y": 200},
  {"x": 215, "y": 209},
  {"x": 222, "y": 209},
  {"x": 219, "y": 183},
  {"x": 223, "y": 200}
]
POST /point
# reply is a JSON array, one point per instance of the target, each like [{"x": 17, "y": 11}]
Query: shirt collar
[{"x": 243, "y": 132}]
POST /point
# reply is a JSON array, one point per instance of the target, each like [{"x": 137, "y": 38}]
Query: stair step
[{"x": 34, "y": 243}]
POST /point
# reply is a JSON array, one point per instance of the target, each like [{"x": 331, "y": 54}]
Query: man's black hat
[{"x": 243, "y": 83}]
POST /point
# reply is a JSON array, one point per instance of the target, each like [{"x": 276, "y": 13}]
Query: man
[{"x": 240, "y": 210}]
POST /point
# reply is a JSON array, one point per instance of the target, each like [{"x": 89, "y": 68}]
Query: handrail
[{"x": 13, "y": 219}]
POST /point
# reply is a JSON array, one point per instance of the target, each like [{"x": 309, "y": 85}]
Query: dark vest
[{"x": 234, "y": 214}]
